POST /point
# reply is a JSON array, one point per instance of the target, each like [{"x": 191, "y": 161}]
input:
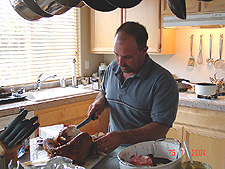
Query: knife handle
[{"x": 93, "y": 116}]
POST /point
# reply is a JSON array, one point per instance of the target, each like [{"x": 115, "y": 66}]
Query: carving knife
[{"x": 86, "y": 121}]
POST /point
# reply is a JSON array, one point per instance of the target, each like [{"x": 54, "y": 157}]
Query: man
[{"x": 142, "y": 95}]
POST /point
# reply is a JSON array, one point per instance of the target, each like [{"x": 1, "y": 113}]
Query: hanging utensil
[
  {"x": 178, "y": 7},
  {"x": 191, "y": 60},
  {"x": 219, "y": 63},
  {"x": 200, "y": 59},
  {"x": 210, "y": 59}
]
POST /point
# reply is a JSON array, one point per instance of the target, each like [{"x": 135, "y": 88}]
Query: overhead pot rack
[
  {"x": 45, "y": 8},
  {"x": 33, "y": 10}
]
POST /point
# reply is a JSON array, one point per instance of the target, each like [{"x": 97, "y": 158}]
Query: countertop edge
[
  {"x": 13, "y": 108},
  {"x": 185, "y": 99}
]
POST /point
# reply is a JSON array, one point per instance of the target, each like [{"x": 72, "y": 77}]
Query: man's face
[{"x": 128, "y": 55}]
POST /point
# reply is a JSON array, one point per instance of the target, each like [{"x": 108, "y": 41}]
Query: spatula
[{"x": 191, "y": 60}]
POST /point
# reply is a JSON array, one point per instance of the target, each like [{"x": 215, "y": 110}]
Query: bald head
[{"x": 136, "y": 30}]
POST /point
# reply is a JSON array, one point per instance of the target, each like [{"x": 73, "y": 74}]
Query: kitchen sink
[{"x": 52, "y": 93}]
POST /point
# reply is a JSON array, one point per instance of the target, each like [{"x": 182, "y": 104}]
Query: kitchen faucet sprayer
[{"x": 39, "y": 82}]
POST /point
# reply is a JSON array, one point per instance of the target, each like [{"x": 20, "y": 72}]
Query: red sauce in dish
[{"x": 141, "y": 160}]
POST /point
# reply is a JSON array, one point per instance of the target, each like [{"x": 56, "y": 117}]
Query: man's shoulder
[{"x": 113, "y": 65}]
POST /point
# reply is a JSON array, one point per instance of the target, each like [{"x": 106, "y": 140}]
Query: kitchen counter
[
  {"x": 13, "y": 108},
  {"x": 191, "y": 100},
  {"x": 186, "y": 99}
]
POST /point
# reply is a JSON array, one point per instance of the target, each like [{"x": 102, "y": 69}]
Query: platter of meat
[{"x": 75, "y": 145}]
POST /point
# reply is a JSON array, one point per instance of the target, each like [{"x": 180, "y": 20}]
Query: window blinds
[{"x": 29, "y": 48}]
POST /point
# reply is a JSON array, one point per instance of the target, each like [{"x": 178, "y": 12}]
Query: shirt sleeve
[{"x": 165, "y": 103}]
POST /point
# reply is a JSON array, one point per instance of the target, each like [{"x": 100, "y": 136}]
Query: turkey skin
[{"x": 71, "y": 143}]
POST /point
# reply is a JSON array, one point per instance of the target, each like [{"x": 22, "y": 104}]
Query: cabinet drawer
[{"x": 62, "y": 114}]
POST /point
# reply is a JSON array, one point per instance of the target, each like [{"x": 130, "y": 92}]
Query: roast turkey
[{"x": 71, "y": 143}]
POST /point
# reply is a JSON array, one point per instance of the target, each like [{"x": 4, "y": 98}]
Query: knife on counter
[{"x": 86, "y": 121}]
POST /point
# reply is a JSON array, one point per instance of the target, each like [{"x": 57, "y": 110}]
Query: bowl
[
  {"x": 162, "y": 149},
  {"x": 196, "y": 164}
]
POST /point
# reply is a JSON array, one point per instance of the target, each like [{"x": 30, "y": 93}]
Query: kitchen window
[{"x": 29, "y": 48}]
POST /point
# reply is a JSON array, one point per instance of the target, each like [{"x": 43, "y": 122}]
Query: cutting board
[{"x": 39, "y": 155}]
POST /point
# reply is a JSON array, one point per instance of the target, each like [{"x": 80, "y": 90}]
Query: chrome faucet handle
[
  {"x": 40, "y": 76},
  {"x": 38, "y": 81}
]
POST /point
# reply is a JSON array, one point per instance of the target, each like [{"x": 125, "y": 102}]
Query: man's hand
[
  {"x": 108, "y": 142},
  {"x": 152, "y": 131},
  {"x": 98, "y": 105}
]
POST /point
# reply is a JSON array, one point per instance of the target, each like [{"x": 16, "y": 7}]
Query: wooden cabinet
[
  {"x": 73, "y": 114},
  {"x": 146, "y": 14},
  {"x": 214, "y": 6},
  {"x": 103, "y": 26},
  {"x": 204, "y": 130}
]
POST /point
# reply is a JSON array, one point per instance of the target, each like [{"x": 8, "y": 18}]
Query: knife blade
[{"x": 86, "y": 121}]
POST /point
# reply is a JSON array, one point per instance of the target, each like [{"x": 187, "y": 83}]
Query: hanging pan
[
  {"x": 124, "y": 3},
  {"x": 52, "y": 7},
  {"x": 69, "y": 3},
  {"x": 178, "y": 7},
  {"x": 100, "y": 5},
  {"x": 28, "y": 9}
]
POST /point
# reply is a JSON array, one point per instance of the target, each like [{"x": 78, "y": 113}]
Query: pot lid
[
  {"x": 100, "y": 5},
  {"x": 69, "y": 3},
  {"x": 124, "y": 3}
]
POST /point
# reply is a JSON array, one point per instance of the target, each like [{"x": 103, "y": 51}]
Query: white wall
[
  {"x": 94, "y": 59},
  {"x": 177, "y": 64}
]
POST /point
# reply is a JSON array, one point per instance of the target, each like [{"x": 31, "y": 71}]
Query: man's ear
[{"x": 145, "y": 50}]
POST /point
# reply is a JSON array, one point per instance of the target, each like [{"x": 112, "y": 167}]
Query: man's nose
[{"x": 121, "y": 61}]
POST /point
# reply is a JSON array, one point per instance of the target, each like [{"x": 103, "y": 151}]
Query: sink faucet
[{"x": 39, "y": 82}]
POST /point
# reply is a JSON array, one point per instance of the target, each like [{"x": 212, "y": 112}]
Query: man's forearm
[
  {"x": 148, "y": 132},
  {"x": 101, "y": 98}
]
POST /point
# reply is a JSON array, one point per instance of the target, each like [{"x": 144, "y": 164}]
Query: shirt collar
[{"x": 144, "y": 71}]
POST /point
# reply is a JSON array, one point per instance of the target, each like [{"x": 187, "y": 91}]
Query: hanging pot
[
  {"x": 100, "y": 5},
  {"x": 28, "y": 9},
  {"x": 178, "y": 7},
  {"x": 69, "y": 3},
  {"x": 124, "y": 3},
  {"x": 52, "y": 7}
]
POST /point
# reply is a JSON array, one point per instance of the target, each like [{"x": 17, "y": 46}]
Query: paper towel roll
[{"x": 74, "y": 80}]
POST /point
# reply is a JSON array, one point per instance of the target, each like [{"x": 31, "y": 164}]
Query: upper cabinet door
[
  {"x": 147, "y": 13},
  {"x": 103, "y": 26},
  {"x": 214, "y": 6}
]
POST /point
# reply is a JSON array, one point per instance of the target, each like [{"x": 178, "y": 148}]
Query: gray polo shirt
[{"x": 151, "y": 95}]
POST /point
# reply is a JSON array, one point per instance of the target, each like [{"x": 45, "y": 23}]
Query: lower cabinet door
[{"x": 206, "y": 145}]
